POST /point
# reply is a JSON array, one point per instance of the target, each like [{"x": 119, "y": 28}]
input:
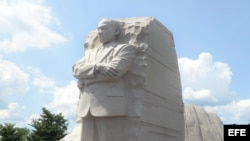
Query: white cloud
[
  {"x": 39, "y": 80},
  {"x": 43, "y": 82},
  {"x": 235, "y": 112},
  {"x": 13, "y": 80},
  {"x": 65, "y": 99},
  {"x": 11, "y": 113},
  {"x": 200, "y": 96},
  {"x": 205, "y": 81},
  {"x": 25, "y": 24},
  {"x": 32, "y": 117}
]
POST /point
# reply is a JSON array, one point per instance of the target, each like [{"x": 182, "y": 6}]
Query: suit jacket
[{"x": 103, "y": 95}]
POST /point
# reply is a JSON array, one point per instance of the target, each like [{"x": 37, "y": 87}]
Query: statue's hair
[{"x": 115, "y": 24}]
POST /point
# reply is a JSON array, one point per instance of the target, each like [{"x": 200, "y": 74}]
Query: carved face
[{"x": 106, "y": 32}]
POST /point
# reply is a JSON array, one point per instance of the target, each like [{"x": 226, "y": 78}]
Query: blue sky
[{"x": 41, "y": 39}]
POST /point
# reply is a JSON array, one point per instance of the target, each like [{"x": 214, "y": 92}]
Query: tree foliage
[
  {"x": 49, "y": 127},
  {"x": 9, "y": 132},
  {"x": 25, "y": 132}
]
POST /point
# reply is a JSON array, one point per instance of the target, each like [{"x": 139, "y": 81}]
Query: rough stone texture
[
  {"x": 157, "y": 92},
  {"x": 201, "y": 125}
]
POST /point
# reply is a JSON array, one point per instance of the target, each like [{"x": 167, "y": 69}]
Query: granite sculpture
[
  {"x": 130, "y": 84},
  {"x": 201, "y": 125}
]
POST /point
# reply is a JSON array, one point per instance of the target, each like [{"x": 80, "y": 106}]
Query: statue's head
[{"x": 108, "y": 30}]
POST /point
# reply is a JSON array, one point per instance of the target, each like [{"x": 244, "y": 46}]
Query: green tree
[
  {"x": 49, "y": 127},
  {"x": 24, "y": 132},
  {"x": 9, "y": 132}
]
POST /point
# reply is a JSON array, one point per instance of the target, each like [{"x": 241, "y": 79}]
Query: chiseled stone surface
[
  {"x": 201, "y": 125},
  {"x": 156, "y": 106}
]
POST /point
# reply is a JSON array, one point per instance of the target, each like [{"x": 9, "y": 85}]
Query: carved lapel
[{"x": 106, "y": 51}]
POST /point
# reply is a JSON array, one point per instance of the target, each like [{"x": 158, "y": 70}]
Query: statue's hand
[
  {"x": 106, "y": 70},
  {"x": 112, "y": 72}
]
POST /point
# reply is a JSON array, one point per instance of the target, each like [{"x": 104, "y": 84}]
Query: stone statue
[
  {"x": 102, "y": 79},
  {"x": 201, "y": 125},
  {"x": 129, "y": 83}
]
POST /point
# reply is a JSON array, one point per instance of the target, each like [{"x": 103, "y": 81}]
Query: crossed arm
[{"x": 99, "y": 72}]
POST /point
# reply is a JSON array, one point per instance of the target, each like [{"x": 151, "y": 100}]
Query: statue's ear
[{"x": 117, "y": 32}]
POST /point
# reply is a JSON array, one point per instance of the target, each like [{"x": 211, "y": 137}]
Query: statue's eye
[{"x": 102, "y": 27}]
